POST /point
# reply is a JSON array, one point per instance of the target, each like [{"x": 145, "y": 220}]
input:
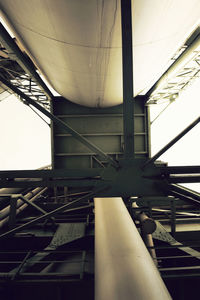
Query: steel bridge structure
[{"x": 79, "y": 227}]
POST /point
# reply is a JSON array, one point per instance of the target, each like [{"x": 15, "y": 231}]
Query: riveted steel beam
[
  {"x": 184, "y": 178},
  {"x": 180, "y": 169},
  {"x": 48, "y": 183},
  {"x": 64, "y": 173}
]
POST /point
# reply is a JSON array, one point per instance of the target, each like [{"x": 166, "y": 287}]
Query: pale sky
[
  {"x": 172, "y": 121},
  {"x": 25, "y": 138}
]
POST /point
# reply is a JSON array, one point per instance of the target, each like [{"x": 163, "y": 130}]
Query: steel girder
[{"x": 127, "y": 67}]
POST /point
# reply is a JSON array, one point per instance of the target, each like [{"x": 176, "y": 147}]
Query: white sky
[
  {"x": 172, "y": 121},
  {"x": 25, "y": 138}
]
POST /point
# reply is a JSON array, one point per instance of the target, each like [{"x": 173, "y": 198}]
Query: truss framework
[
  {"x": 142, "y": 170},
  {"x": 184, "y": 70},
  {"x": 127, "y": 177},
  {"x": 18, "y": 69}
]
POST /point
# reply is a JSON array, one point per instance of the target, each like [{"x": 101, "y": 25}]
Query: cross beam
[{"x": 52, "y": 213}]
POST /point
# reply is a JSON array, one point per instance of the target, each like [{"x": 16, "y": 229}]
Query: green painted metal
[
  {"x": 130, "y": 180},
  {"x": 184, "y": 178},
  {"x": 126, "y": 181},
  {"x": 12, "y": 213},
  {"x": 55, "y": 173},
  {"x": 157, "y": 201},
  {"x": 173, "y": 218},
  {"x": 109, "y": 162},
  {"x": 64, "y": 234},
  {"x": 127, "y": 71},
  {"x": 180, "y": 169},
  {"x": 49, "y": 183},
  {"x": 104, "y": 127}
]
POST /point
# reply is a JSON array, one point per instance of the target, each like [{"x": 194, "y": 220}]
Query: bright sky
[
  {"x": 172, "y": 121},
  {"x": 25, "y": 138}
]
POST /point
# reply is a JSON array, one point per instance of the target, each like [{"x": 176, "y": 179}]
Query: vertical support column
[
  {"x": 83, "y": 264},
  {"x": 173, "y": 217},
  {"x": 55, "y": 194},
  {"x": 65, "y": 193},
  {"x": 124, "y": 268},
  {"x": 127, "y": 70},
  {"x": 150, "y": 245},
  {"x": 12, "y": 213}
]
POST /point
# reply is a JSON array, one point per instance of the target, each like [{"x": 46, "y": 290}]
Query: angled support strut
[
  {"x": 21, "y": 59},
  {"x": 68, "y": 206},
  {"x": 172, "y": 142}
]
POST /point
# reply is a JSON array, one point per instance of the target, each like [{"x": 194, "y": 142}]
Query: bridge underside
[
  {"x": 47, "y": 216},
  {"x": 49, "y": 248}
]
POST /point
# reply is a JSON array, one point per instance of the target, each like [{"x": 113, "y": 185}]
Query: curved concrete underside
[{"x": 77, "y": 44}]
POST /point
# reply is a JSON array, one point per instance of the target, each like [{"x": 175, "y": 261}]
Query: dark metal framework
[
  {"x": 19, "y": 70},
  {"x": 141, "y": 177}
]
